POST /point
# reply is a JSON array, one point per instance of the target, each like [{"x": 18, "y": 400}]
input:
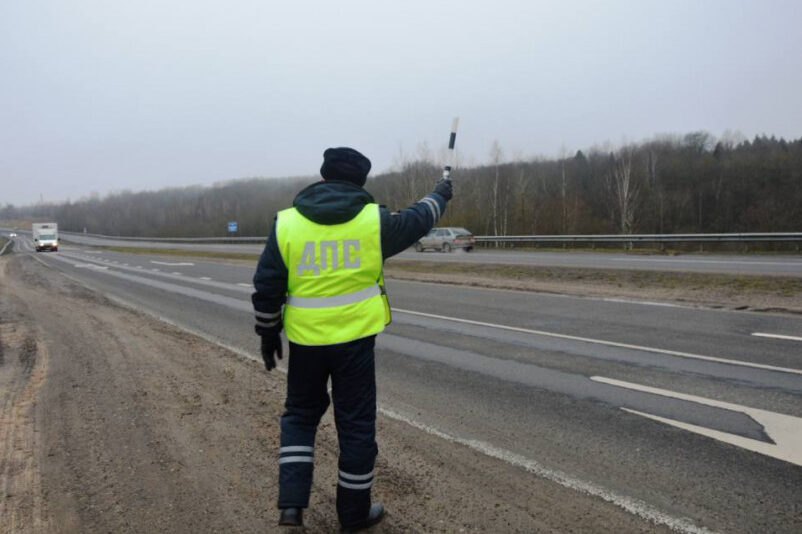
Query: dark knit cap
[{"x": 345, "y": 164}]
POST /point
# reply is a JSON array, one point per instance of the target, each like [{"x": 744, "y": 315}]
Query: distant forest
[{"x": 669, "y": 184}]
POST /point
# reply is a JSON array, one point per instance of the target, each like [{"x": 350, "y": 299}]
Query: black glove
[
  {"x": 443, "y": 188},
  {"x": 271, "y": 343}
]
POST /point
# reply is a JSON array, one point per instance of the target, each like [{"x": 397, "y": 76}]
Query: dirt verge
[{"x": 115, "y": 422}]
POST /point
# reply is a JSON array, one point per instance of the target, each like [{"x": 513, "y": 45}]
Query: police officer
[{"x": 323, "y": 264}]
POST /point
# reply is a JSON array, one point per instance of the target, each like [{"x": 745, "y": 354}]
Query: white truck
[{"x": 45, "y": 236}]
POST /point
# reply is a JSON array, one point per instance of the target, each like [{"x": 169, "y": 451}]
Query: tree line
[{"x": 690, "y": 183}]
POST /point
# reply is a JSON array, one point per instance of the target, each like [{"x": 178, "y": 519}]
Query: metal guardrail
[
  {"x": 645, "y": 238},
  {"x": 601, "y": 238}
]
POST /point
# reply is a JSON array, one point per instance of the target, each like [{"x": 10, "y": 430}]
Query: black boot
[
  {"x": 291, "y": 517},
  {"x": 375, "y": 515}
]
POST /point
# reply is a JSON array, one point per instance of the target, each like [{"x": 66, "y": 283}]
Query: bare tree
[
  {"x": 495, "y": 158},
  {"x": 624, "y": 190}
]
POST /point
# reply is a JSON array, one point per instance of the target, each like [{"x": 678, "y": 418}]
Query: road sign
[{"x": 232, "y": 226}]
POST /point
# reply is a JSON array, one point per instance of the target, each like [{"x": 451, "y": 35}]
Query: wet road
[{"x": 693, "y": 414}]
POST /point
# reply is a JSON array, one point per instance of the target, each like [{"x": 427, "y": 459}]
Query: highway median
[{"x": 717, "y": 290}]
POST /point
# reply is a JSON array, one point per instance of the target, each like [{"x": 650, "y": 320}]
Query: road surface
[
  {"x": 688, "y": 418},
  {"x": 731, "y": 264}
]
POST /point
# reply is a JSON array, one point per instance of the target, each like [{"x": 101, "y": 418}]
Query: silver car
[{"x": 446, "y": 240}]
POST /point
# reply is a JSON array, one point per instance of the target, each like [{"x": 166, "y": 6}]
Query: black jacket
[{"x": 335, "y": 202}]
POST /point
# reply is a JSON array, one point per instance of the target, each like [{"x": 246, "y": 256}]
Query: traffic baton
[{"x": 451, "y": 140}]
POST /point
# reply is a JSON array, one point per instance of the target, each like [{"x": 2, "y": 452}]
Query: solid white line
[
  {"x": 205, "y": 278},
  {"x": 629, "y": 504},
  {"x": 777, "y": 336},
  {"x": 784, "y": 430},
  {"x": 606, "y": 343},
  {"x": 245, "y": 285}
]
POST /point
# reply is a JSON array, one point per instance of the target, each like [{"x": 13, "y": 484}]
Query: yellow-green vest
[{"x": 335, "y": 286}]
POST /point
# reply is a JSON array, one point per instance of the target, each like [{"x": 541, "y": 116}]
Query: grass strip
[
  {"x": 495, "y": 275},
  {"x": 635, "y": 279}
]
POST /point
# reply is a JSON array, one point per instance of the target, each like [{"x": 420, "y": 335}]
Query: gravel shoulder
[{"x": 111, "y": 421}]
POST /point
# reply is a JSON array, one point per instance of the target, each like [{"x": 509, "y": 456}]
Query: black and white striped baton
[{"x": 451, "y": 140}]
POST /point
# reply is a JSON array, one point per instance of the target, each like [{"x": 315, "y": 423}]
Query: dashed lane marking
[
  {"x": 777, "y": 336},
  {"x": 606, "y": 343},
  {"x": 206, "y": 281},
  {"x": 784, "y": 430},
  {"x": 90, "y": 266},
  {"x": 172, "y": 264}
]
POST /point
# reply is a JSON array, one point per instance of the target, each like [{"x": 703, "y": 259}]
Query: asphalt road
[
  {"x": 682, "y": 415},
  {"x": 732, "y": 264}
]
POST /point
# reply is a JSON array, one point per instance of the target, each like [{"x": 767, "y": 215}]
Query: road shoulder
[{"x": 145, "y": 427}]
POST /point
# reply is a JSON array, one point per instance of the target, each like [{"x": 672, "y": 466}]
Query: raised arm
[{"x": 402, "y": 229}]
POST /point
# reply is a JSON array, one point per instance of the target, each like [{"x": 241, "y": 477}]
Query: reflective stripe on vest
[
  {"x": 335, "y": 287},
  {"x": 336, "y": 300}
]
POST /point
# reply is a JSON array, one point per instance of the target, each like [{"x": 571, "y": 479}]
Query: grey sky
[{"x": 110, "y": 95}]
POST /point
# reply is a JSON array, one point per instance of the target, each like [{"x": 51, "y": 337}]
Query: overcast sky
[{"x": 105, "y": 95}]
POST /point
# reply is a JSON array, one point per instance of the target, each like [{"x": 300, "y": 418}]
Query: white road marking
[
  {"x": 174, "y": 264},
  {"x": 205, "y": 278},
  {"x": 784, "y": 430},
  {"x": 156, "y": 270},
  {"x": 644, "y": 302},
  {"x": 179, "y": 274},
  {"x": 245, "y": 285},
  {"x": 138, "y": 266},
  {"x": 777, "y": 336},
  {"x": 628, "y": 504},
  {"x": 631, "y": 505},
  {"x": 606, "y": 343},
  {"x": 90, "y": 266}
]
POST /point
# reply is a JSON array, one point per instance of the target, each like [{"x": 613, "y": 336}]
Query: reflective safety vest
[{"x": 335, "y": 286}]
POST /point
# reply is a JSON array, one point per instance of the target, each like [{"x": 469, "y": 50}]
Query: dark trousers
[{"x": 353, "y": 384}]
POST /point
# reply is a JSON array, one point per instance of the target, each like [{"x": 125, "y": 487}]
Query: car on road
[
  {"x": 12, "y": 234},
  {"x": 446, "y": 240}
]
